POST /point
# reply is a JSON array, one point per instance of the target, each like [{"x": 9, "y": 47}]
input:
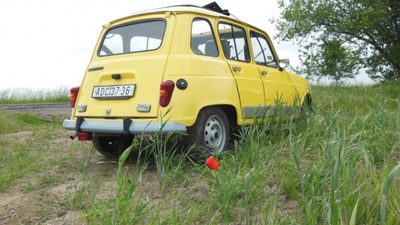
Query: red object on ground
[{"x": 212, "y": 163}]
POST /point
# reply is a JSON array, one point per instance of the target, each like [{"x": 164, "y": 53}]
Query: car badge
[{"x": 108, "y": 112}]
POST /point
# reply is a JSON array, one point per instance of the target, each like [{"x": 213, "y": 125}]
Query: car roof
[
  {"x": 187, "y": 9},
  {"x": 179, "y": 9}
]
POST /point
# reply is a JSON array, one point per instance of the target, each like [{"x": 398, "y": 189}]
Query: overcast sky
[{"x": 48, "y": 44}]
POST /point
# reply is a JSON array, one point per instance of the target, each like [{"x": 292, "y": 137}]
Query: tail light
[
  {"x": 166, "y": 90},
  {"x": 73, "y": 96},
  {"x": 84, "y": 136}
]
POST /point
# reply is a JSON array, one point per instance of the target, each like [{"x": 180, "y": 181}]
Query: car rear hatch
[{"x": 123, "y": 79}]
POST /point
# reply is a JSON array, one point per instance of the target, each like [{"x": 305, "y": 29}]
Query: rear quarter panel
[{"x": 210, "y": 81}]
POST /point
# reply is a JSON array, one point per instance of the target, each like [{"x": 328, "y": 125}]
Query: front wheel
[
  {"x": 211, "y": 132},
  {"x": 307, "y": 107},
  {"x": 112, "y": 146}
]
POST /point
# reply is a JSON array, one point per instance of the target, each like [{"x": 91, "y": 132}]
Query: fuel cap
[{"x": 181, "y": 84}]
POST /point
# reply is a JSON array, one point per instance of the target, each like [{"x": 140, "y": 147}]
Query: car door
[
  {"x": 278, "y": 87},
  {"x": 236, "y": 51}
]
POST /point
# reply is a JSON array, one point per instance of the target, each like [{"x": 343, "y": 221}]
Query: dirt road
[
  {"x": 42, "y": 108},
  {"x": 55, "y": 110}
]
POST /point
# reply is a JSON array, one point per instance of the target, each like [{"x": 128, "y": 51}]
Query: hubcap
[{"x": 214, "y": 133}]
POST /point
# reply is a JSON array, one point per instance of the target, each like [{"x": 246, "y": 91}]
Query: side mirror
[{"x": 284, "y": 63}]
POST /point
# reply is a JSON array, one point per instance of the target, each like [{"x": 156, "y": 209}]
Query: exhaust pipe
[{"x": 73, "y": 135}]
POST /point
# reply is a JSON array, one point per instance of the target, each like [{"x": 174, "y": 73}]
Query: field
[
  {"x": 26, "y": 95},
  {"x": 338, "y": 165}
]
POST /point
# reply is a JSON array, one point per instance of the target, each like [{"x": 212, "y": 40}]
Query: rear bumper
[{"x": 122, "y": 127}]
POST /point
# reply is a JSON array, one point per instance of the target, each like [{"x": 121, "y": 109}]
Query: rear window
[{"x": 137, "y": 37}]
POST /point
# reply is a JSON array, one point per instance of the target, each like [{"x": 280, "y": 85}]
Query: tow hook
[{"x": 73, "y": 135}]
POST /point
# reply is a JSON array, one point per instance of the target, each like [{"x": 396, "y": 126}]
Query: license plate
[{"x": 114, "y": 91}]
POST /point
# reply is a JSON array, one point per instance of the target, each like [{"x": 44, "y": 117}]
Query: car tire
[
  {"x": 307, "y": 107},
  {"x": 112, "y": 146},
  {"x": 211, "y": 132}
]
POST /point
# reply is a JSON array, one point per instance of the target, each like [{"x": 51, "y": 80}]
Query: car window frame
[
  {"x": 246, "y": 40},
  {"x": 213, "y": 33},
  {"x": 270, "y": 46},
  {"x": 128, "y": 24}
]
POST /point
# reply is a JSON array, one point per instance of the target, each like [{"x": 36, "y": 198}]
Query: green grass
[
  {"x": 20, "y": 154},
  {"x": 339, "y": 165},
  {"x": 26, "y": 95}
]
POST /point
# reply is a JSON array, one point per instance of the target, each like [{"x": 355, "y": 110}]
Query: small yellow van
[{"x": 209, "y": 71}]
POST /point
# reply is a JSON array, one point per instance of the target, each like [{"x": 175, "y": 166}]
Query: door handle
[
  {"x": 264, "y": 73},
  {"x": 236, "y": 69}
]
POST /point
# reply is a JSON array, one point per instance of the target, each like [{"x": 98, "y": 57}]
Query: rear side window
[
  {"x": 137, "y": 37},
  {"x": 233, "y": 41},
  {"x": 262, "y": 51},
  {"x": 202, "y": 38}
]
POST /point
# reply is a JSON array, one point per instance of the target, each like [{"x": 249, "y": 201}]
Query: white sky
[{"x": 48, "y": 43}]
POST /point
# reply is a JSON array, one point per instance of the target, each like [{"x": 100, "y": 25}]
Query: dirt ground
[
  {"x": 69, "y": 170},
  {"x": 52, "y": 195},
  {"x": 44, "y": 196},
  {"x": 40, "y": 197}
]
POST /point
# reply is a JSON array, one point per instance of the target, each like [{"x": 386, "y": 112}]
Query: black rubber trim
[
  {"x": 79, "y": 121},
  {"x": 126, "y": 124},
  {"x": 96, "y": 68}
]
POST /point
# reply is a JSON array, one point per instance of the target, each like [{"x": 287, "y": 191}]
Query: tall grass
[
  {"x": 338, "y": 165},
  {"x": 125, "y": 208},
  {"x": 27, "y": 95}
]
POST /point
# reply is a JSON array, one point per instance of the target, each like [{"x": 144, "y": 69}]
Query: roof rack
[{"x": 213, "y": 6}]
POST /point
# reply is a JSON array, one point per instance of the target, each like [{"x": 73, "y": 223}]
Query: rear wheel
[
  {"x": 211, "y": 132},
  {"x": 112, "y": 146}
]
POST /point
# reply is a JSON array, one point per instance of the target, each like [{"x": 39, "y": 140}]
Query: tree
[{"x": 338, "y": 37}]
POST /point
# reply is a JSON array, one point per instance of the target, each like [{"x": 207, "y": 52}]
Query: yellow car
[{"x": 210, "y": 72}]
